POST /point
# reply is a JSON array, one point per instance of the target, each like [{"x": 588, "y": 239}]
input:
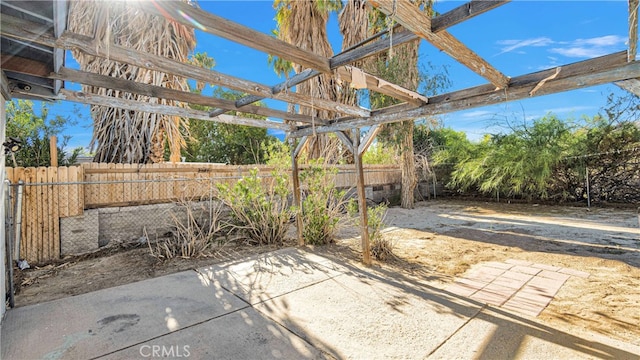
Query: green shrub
[
  {"x": 381, "y": 247},
  {"x": 322, "y": 206},
  {"x": 259, "y": 206}
]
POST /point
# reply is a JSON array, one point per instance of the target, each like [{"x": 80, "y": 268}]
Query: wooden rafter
[
  {"x": 633, "y": 29},
  {"x": 352, "y": 74},
  {"x": 606, "y": 69},
  {"x": 441, "y": 22},
  {"x": 17, "y": 28},
  {"x": 24, "y": 66},
  {"x": 132, "y": 105},
  {"x": 410, "y": 16},
  {"x": 109, "y": 82},
  {"x": 464, "y": 12},
  {"x": 188, "y": 15},
  {"x": 631, "y": 85}
]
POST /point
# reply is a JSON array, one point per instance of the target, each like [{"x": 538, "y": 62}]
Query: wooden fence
[{"x": 51, "y": 193}]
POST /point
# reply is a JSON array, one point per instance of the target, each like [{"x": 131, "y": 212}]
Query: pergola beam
[
  {"x": 187, "y": 15},
  {"x": 295, "y": 179},
  {"x": 20, "y": 29},
  {"x": 439, "y": 23},
  {"x": 133, "y": 105},
  {"x": 368, "y": 139},
  {"x": 109, "y": 82},
  {"x": 362, "y": 199},
  {"x": 344, "y": 138},
  {"x": 606, "y": 69},
  {"x": 464, "y": 12},
  {"x": 633, "y": 29},
  {"x": 360, "y": 79},
  {"x": 412, "y": 18},
  {"x": 631, "y": 85}
]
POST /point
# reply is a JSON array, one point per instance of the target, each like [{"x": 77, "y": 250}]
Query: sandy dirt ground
[{"x": 435, "y": 243}]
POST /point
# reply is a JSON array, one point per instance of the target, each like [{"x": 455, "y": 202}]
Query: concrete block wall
[
  {"x": 100, "y": 227},
  {"x": 79, "y": 234}
]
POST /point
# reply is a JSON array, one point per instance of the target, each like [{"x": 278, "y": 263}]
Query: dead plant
[{"x": 197, "y": 230}]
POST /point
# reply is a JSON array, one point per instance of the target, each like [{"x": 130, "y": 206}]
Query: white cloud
[
  {"x": 608, "y": 40},
  {"x": 477, "y": 113},
  {"x": 580, "y": 52},
  {"x": 511, "y": 45},
  {"x": 579, "y": 48},
  {"x": 569, "y": 109},
  {"x": 592, "y": 47}
]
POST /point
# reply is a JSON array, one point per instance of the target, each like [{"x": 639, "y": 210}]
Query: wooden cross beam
[
  {"x": 133, "y": 105},
  {"x": 352, "y": 74},
  {"x": 195, "y": 18},
  {"x": 410, "y": 16},
  {"x": 606, "y": 69},
  {"x": 631, "y": 85},
  {"x": 109, "y": 82},
  {"x": 463, "y": 12},
  {"x": 20, "y": 29},
  {"x": 439, "y": 23}
]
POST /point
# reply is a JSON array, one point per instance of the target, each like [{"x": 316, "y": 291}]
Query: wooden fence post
[{"x": 295, "y": 178}]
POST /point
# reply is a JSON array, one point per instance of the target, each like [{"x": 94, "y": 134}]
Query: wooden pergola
[{"x": 28, "y": 34}]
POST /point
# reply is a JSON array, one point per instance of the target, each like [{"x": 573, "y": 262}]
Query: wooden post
[
  {"x": 295, "y": 178},
  {"x": 53, "y": 150},
  {"x": 588, "y": 190},
  {"x": 362, "y": 199},
  {"x": 633, "y": 30}
]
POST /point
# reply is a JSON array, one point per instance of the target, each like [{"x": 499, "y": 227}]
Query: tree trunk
[{"x": 407, "y": 163}]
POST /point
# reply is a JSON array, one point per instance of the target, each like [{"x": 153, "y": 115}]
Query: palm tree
[
  {"x": 354, "y": 27},
  {"x": 304, "y": 23},
  {"x": 123, "y": 136}
]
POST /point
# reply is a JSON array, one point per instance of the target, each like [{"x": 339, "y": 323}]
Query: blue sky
[{"x": 517, "y": 38}]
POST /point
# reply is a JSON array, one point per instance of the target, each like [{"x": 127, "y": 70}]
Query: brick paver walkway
[{"x": 516, "y": 285}]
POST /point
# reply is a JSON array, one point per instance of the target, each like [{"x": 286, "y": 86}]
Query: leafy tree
[
  {"x": 227, "y": 143},
  {"x": 521, "y": 163},
  {"x": 33, "y": 132},
  {"x": 551, "y": 158},
  {"x": 608, "y": 148},
  {"x": 378, "y": 153}
]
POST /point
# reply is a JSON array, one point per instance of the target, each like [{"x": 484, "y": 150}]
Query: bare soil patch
[{"x": 435, "y": 243}]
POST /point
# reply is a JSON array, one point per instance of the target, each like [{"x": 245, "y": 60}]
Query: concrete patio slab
[
  {"x": 265, "y": 276},
  {"x": 97, "y": 323},
  {"x": 297, "y": 305},
  {"x": 362, "y": 316},
  {"x": 243, "y": 334}
]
